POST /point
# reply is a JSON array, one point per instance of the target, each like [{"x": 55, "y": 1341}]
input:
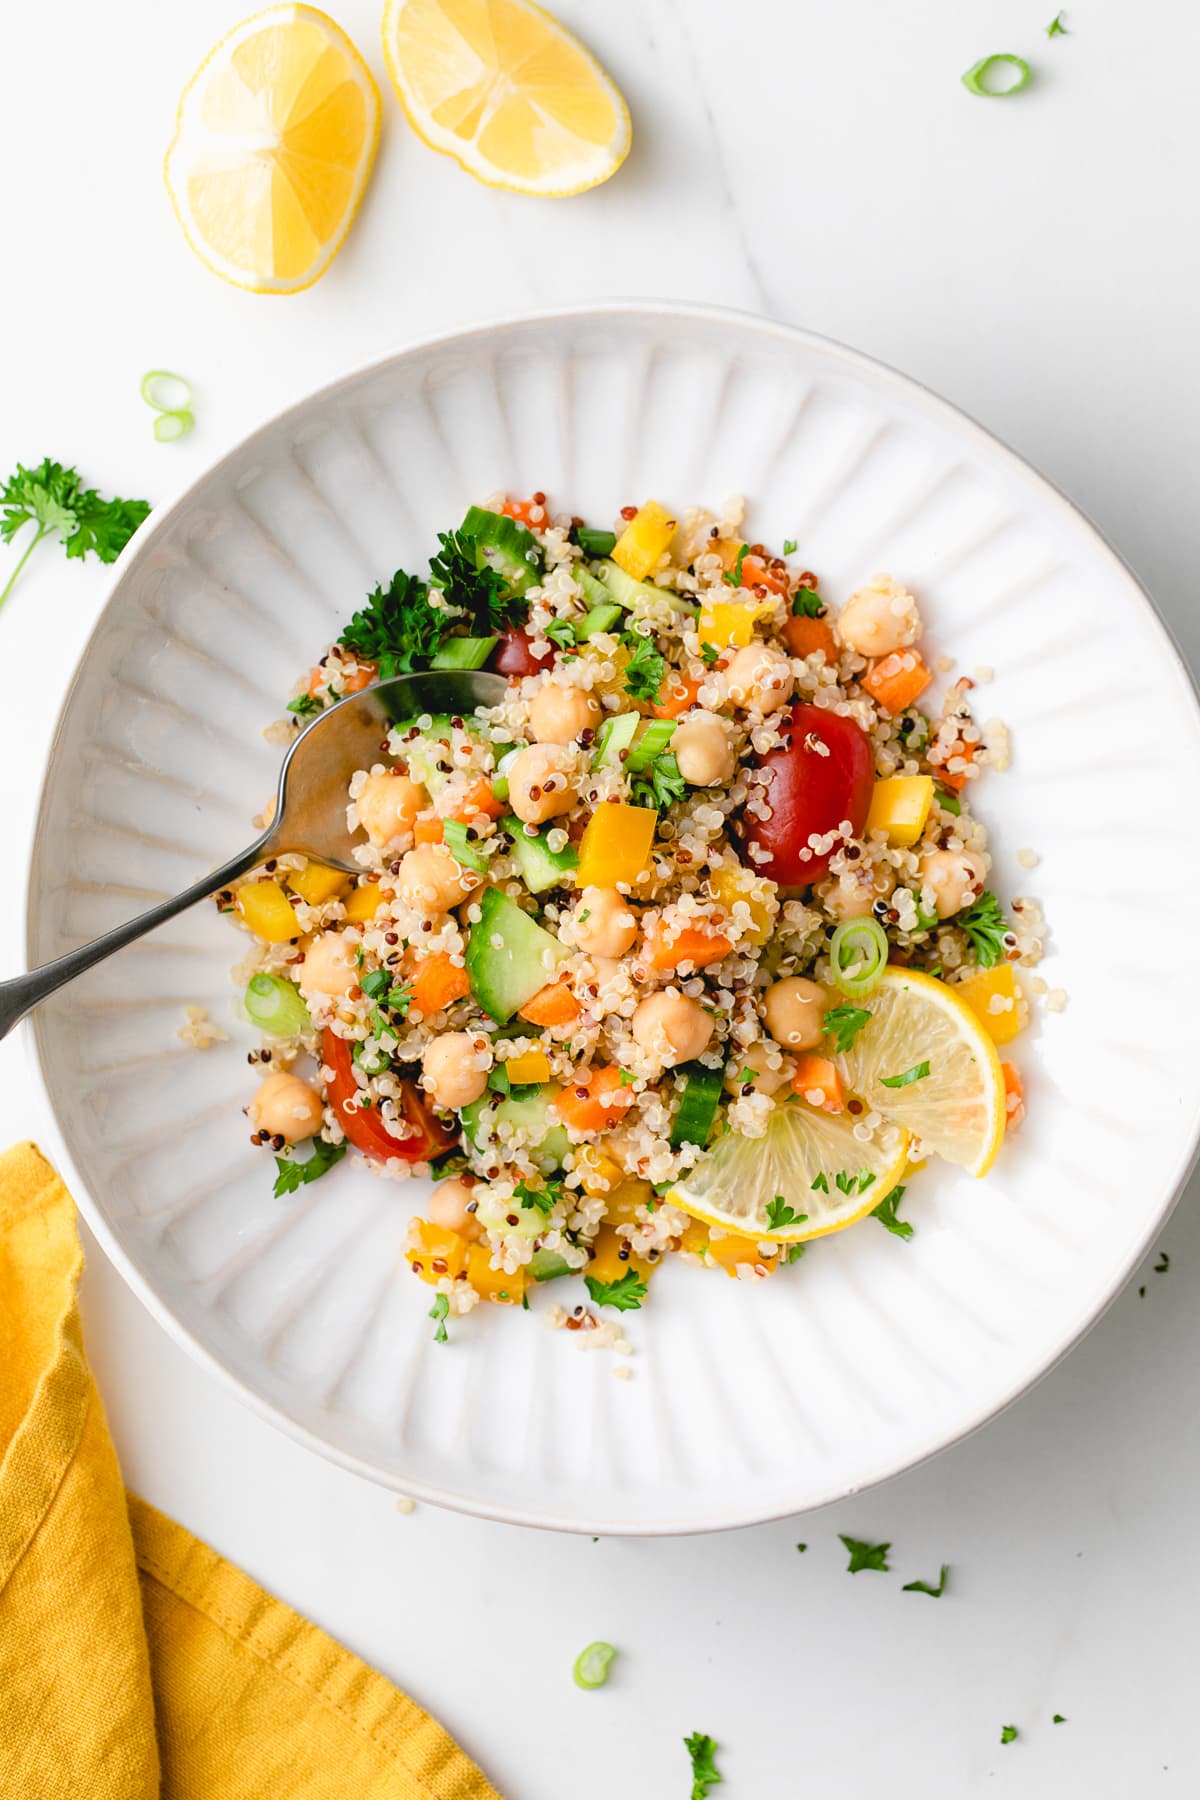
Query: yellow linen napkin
[{"x": 134, "y": 1661}]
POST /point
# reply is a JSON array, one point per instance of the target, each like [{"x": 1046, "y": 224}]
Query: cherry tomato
[
  {"x": 811, "y": 793},
  {"x": 365, "y": 1128},
  {"x": 513, "y": 656}
]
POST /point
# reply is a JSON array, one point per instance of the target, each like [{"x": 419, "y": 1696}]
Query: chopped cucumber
[
  {"x": 538, "y": 866},
  {"x": 594, "y": 542},
  {"x": 698, "y": 1107},
  {"x": 602, "y": 617},
  {"x": 506, "y": 973},
  {"x": 547, "y": 1141},
  {"x": 594, "y": 590},
  {"x": 547, "y": 1265},
  {"x": 463, "y": 847},
  {"x": 464, "y": 652},
  {"x": 655, "y": 738},
  {"x": 616, "y": 734},
  {"x": 422, "y": 760},
  {"x": 627, "y": 592},
  {"x": 505, "y": 545}
]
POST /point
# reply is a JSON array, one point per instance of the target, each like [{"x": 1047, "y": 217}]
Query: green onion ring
[
  {"x": 178, "y": 397},
  {"x": 976, "y": 79},
  {"x": 861, "y": 946},
  {"x": 169, "y": 427},
  {"x": 591, "y": 1665},
  {"x": 276, "y": 1005}
]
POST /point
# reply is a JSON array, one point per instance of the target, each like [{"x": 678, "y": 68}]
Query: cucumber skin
[
  {"x": 504, "y": 980},
  {"x": 602, "y": 617},
  {"x": 693, "y": 1122},
  {"x": 617, "y": 734},
  {"x": 539, "y": 866},
  {"x": 505, "y": 545},
  {"x": 464, "y": 652}
]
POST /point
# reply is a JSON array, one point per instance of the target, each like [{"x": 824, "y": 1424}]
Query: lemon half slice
[
  {"x": 739, "y": 1183},
  {"x": 274, "y": 141},
  {"x": 957, "y": 1109},
  {"x": 504, "y": 89}
]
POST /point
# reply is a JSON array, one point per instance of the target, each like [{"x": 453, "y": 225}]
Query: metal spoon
[{"x": 310, "y": 809}]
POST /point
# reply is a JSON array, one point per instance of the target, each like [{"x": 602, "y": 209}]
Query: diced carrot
[
  {"x": 438, "y": 983},
  {"x": 596, "y": 1103},
  {"x": 427, "y": 831},
  {"x": 1014, "y": 1096},
  {"x": 817, "y": 1075},
  {"x": 896, "y": 681},
  {"x": 478, "y": 798},
  {"x": 804, "y": 637},
  {"x": 756, "y": 573},
  {"x": 363, "y": 676},
  {"x": 679, "y": 696},
  {"x": 554, "y": 1004},
  {"x": 694, "y": 945}
]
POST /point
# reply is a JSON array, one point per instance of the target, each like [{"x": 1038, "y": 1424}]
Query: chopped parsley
[
  {"x": 807, "y": 604},
  {"x": 986, "y": 928},
  {"x": 472, "y": 586},
  {"x": 626, "y": 1293},
  {"x": 51, "y": 498},
  {"x": 925, "y": 920},
  {"x": 1059, "y": 1719},
  {"x": 1163, "y": 1263},
  {"x": 886, "y": 1213},
  {"x": 854, "y": 1184},
  {"x": 397, "y": 629},
  {"x": 820, "y": 1183},
  {"x": 304, "y": 704},
  {"x": 913, "y": 731},
  {"x": 918, "y": 1072},
  {"x": 1056, "y": 28},
  {"x": 561, "y": 632},
  {"x": 949, "y": 802},
  {"x": 709, "y": 654},
  {"x": 646, "y": 668},
  {"x": 660, "y": 785},
  {"x": 789, "y": 546},
  {"x": 541, "y": 1198},
  {"x": 1009, "y": 1734},
  {"x": 780, "y": 1215},
  {"x": 293, "y": 1175},
  {"x": 439, "y": 1311},
  {"x": 843, "y": 1023},
  {"x": 925, "y": 1587},
  {"x": 795, "y": 1252},
  {"x": 864, "y": 1555},
  {"x": 705, "y": 1774},
  {"x": 734, "y": 576},
  {"x": 802, "y": 1548}
]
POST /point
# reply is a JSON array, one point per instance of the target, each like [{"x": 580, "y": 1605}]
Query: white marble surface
[{"x": 1037, "y": 263}]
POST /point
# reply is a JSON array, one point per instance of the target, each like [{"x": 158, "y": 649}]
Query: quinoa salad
[{"x": 689, "y": 949}]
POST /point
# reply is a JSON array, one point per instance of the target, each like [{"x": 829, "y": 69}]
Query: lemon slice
[
  {"x": 274, "y": 141},
  {"x": 740, "y": 1182},
  {"x": 957, "y": 1109},
  {"x": 501, "y": 87}
]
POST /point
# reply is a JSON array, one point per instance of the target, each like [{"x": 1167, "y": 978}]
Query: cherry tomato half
[
  {"x": 365, "y": 1128},
  {"x": 513, "y": 655},
  {"x": 810, "y": 792}
]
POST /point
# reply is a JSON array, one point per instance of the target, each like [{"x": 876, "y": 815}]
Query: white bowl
[{"x": 748, "y": 1401}]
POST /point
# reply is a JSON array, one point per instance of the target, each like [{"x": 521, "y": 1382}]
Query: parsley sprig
[
  {"x": 52, "y": 499},
  {"x": 986, "y": 928},
  {"x": 646, "y": 668},
  {"x": 398, "y": 628},
  {"x": 705, "y": 1775},
  {"x": 294, "y": 1175},
  {"x": 864, "y": 1555},
  {"x": 660, "y": 785},
  {"x": 542, "y": 1199},
  {"x": 843, "y": 1023},
  {"x": 780, "y": 1215},
  {"x": 886, "y": 1213},
  {"x": 626, "y": 1293},
  {"x": 480, "y": 592}
]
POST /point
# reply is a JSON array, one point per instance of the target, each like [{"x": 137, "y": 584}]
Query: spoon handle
[{"x": 23, "y": 992}]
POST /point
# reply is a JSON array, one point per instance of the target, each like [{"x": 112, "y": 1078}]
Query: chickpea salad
[{"x": 689, "y": 948}]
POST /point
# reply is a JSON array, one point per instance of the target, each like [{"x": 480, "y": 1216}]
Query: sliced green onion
[
  {"x": 655, "y": 738},
  {"x": 591, "y": 1665},
  {"x": 169, "y": 427},
  {"x": 858, "y": 952},
  {"x": 500, "y": 787},
  {"x": 1015, "y": 74},
  {"x": 275, "y": 1005},
  {"x": 463, "y": 849},
  {"x": 165, "y": 391},
  {"x": 596, "y": 543}
]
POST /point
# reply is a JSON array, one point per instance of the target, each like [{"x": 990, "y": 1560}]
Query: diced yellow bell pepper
[
  {"x": 532, "y": 1065},
  {"x": 1003, "y": 1020},
  {"x": 600, "y": 1172},
  {"x": 729, "y": 885},
  {"x": 695, "y": 1236},
  {"x": 616, "y": 844},
  {"x": 729, "y": 1252},
  {"x": 364, "y": 903},
  {"x": 608, "y": 1264},
  {"x": 434, "y": 1251},
  {"x": 900, "y": 806},
  {"x": 625, "y": 1199},
  {"x": 643, "y": 540},
  {"x": 268, "y": 911},
  {"x": 317, "y": 883},
  {"x": 493, "y": 1284},
  {"x": 729, "y": 624}
]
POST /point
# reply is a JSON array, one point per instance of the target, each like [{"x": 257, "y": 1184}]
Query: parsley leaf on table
[
  {"x": 1056, "y": 28},
  {"x": 645, "y": 669},
  {"x": 51, "y": 499},
  {"x": 864, "y": 1555},
  {"x": 925, "y": 1587},
  {"x": 986, "y": 928},
  {"x": 705, "y": 1774},
  {"x": 843, "y": 1023},
  {"x": 398, "y": 628},
  {"x": 294, "y": 1175},
  {"x": 438, "y": 1311},
  {"x": 789, "y": 546},
  {"x": 1163, "y": 1263},
  {"x": 1009, "y": 1734},
  {"x": 626, "y": 1293},
  {"x": 886, "y": 1213}
]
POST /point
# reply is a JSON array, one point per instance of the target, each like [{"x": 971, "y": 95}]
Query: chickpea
[
  {"x": 852, "y": 894},
  {"x": 450, "y": 1071},
  {"x": 388, "y": 804},
  {"x": 953, "y": 878},
  {"x": 795, "y": 1012},
  {"x": 540, "y": 783},
  {"x": 760, "y": 676},
  {"x": 286, "y": 1107},
  {"x": 879, "y": 618},
  {"x": 703, "y": 751},
  {"x": 672, "y": 1028},
  {"x": 430, "y": 881},
  {"x": 606, "y": 925},
  {"x": 328, "y": 967},
  {"x": 763, "y": 1078},
  {"x": 452, "y": 1205},
  {"x": 558, "y": 714}
]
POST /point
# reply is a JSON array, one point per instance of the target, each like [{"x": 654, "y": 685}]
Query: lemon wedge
[
  {"x": 274, "y": 141},
  {"x": 957, "y": 1108},
  {"x": 808, "y": 1164},
  {"x": 500, "y": 86}
]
